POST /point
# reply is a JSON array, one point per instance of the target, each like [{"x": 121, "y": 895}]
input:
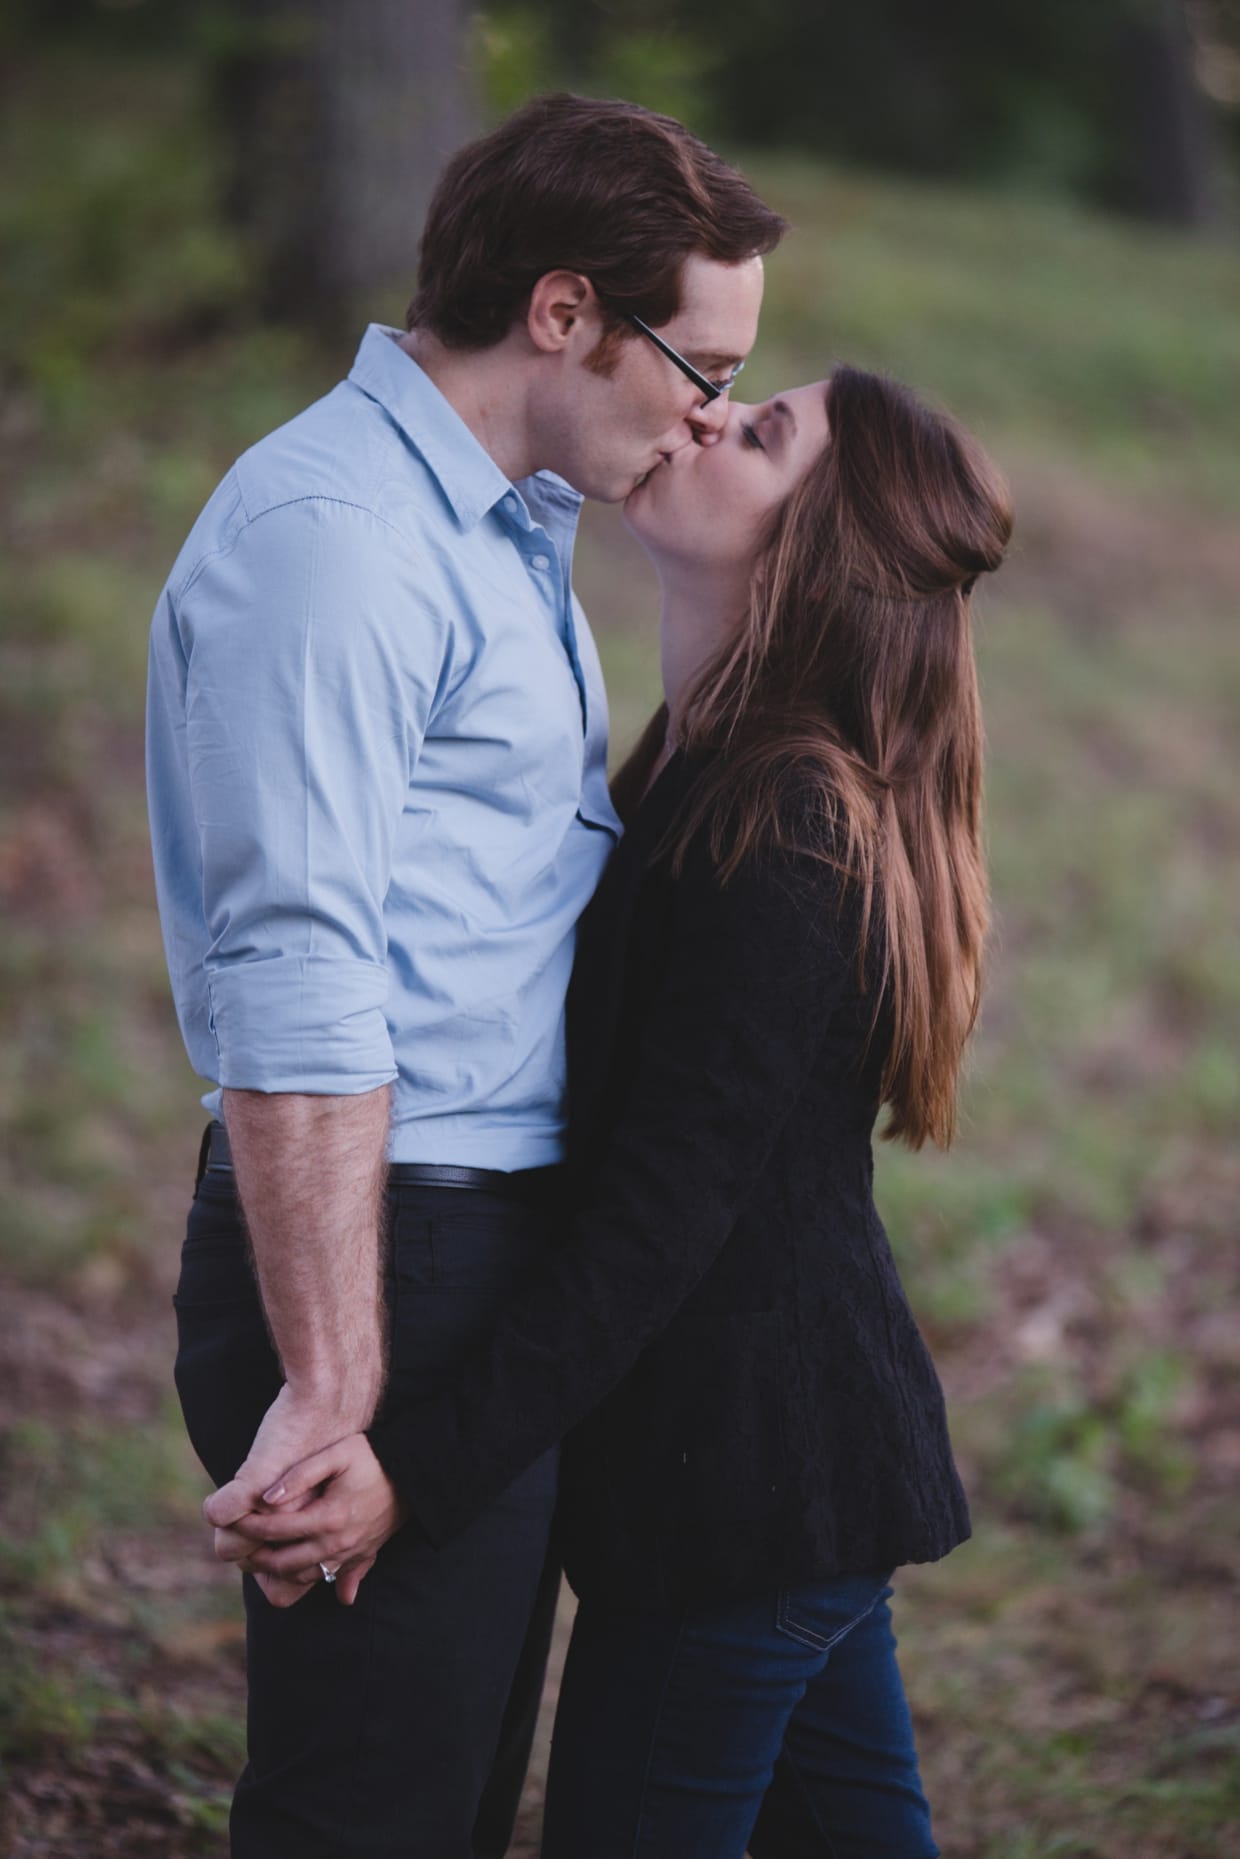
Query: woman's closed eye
[{"x": 749, "y": 433}]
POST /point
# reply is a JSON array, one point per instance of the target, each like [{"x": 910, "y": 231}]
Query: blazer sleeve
[{"x": 755, "y": 970}]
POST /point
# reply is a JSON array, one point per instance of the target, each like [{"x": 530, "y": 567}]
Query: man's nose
[{"x": 708, "y": 421}]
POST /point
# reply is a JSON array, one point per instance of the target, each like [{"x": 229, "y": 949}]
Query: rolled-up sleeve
[{"x": 310, "y": 672}]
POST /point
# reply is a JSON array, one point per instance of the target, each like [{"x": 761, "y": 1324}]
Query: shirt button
[{"x": 540, "y": 561}]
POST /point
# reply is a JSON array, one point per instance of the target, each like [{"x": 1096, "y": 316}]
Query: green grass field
[{"x": 1072, "y": 1260}]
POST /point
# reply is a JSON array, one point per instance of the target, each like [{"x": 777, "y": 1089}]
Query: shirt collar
[
  {"x": 469, "y": 477},
  {"x": 551, "y": 501}
]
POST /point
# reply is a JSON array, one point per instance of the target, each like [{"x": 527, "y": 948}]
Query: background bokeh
[{"x": 1030, "y": 214}]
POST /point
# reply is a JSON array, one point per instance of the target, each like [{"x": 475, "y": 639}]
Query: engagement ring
[{"x": 329, "y": 1573}]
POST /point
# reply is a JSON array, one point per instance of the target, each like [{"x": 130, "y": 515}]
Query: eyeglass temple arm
[{"x": 699, "y": 380}]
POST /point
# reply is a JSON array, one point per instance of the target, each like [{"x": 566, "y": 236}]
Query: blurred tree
[
  {"x": 338, "y": 115},
  {"x": 128, "y": 26},
  {"x": 1214, "y": 31},
  {"x": 1102, "y": 101},
  {"x": 1174, "y": 175},
  {"x": 335, "y": 117}
]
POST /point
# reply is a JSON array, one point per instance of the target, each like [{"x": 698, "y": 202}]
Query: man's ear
[{"x": 559, "y": 302}]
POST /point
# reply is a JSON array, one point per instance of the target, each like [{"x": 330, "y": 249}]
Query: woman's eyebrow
[{"x": 782, "y": 423}]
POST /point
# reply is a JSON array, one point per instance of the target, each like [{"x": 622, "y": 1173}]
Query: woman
[{"x": 788, "y": 939}]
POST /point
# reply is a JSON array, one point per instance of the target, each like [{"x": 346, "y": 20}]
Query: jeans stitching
[{"x": 807, "y": 1636}]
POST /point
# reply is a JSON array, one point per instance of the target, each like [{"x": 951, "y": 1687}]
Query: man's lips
[{"x": 664, "y": 458}]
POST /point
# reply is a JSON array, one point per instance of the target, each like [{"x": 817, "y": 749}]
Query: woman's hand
[{"x": 337, "y": 1507}]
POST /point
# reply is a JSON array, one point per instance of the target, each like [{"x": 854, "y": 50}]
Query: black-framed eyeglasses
[{"x": 710, "y": 390}]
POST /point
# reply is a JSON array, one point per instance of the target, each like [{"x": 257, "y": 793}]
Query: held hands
[
  {"x": 336, "y": 1507},
  {"x": 294, "y": 1426}
]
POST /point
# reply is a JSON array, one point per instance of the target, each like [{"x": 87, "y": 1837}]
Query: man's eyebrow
[{"x": 712, "y": 358}]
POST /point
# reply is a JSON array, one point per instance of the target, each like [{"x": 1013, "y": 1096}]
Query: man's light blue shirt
[{"x": 376, "y": 766}]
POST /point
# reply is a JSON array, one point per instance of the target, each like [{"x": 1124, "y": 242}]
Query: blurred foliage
[
  {"x": 1129, "y": 103},
  {"x": 1070, "y": 1449},
  {"x": 1101, "y": 102},
  {"x": 112, "y": 236},
  {"x": 522, "y": 49},
  {"x": 74, "y": 1490},
  {"x": 44, "y": 1712}
]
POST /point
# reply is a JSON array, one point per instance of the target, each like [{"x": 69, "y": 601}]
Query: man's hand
[
  {"x": 289, "y": 1430},
  {"x": 292, "y": 1428},
  {"x": 336, "y": 1507}
]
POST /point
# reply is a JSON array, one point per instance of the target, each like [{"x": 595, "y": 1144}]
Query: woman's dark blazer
[{"x": 723, "y": 1328}]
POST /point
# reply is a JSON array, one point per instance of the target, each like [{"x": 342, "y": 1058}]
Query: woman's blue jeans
[{"x": 777, "y": 1727}]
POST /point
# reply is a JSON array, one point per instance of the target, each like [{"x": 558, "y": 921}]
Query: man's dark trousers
[{"x": 401, "y": 1725}]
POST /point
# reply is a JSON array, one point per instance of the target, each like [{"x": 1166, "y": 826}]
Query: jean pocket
[
  {"x": 818, "y": 1614},
  {"x": 227, "y": 1375},
  {"x": 481, "y": 1243},
  {"x": 215, "y": 1257},
  {"x": 450, "y": 1276}
]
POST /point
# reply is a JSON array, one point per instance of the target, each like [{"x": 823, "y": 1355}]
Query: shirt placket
[{"x": 546, "y": 549}]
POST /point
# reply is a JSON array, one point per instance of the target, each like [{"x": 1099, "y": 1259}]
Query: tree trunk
[
  {"x": 340, "y": 114},
  {"x": 1173, "y": 169}
]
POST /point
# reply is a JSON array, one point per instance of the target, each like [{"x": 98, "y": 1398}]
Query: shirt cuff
[{"x": 302, "y": 1024}]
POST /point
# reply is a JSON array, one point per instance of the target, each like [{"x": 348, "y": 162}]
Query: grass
[
  {"x": 1072, "y": 1261},
  {"x": 1072, "y": 333}
]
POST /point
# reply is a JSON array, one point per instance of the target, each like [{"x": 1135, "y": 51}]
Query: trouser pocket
[
  {"x": 227, "y": 1373},
  {"x": 819, "y": 1614}
]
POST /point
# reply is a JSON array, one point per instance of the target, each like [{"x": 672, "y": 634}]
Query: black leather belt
[{"x": 523, "y": 1184}]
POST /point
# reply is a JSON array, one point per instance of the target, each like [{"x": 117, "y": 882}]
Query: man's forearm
[{"x": 310, "y": 1174}]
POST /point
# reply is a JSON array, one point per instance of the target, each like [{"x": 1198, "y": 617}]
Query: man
[{"x": 376, "y": 765}]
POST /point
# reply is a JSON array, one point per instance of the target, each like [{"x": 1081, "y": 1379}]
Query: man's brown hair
[{"x": 607, "y": 189}]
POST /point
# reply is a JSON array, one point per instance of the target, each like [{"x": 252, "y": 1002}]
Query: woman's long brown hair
[{"x": 854, "y": 669}]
